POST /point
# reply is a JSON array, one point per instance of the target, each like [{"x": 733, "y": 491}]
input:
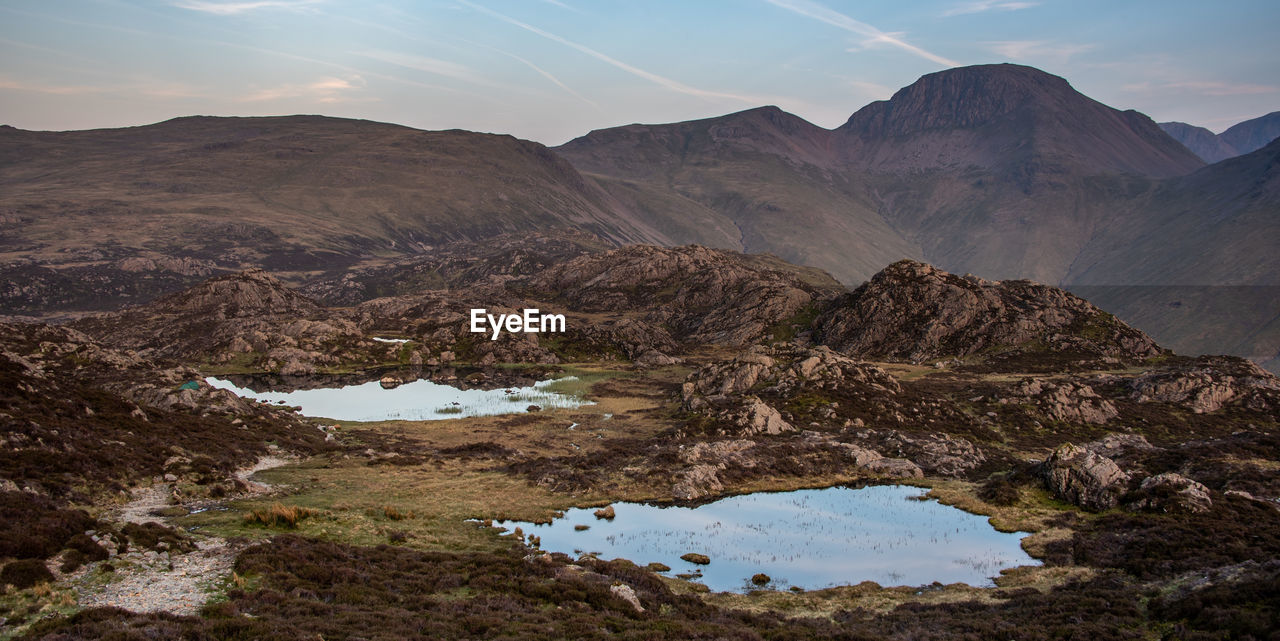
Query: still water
[
  {"x": 807, "y": 538},
  {"x": 420, "y": 400}
]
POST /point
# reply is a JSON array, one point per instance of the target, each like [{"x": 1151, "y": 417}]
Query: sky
[{"x": 552, "y": 70}]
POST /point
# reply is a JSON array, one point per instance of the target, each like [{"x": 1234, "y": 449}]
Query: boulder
[
  {"x": 1077, "y": 475},
  {"x": 898, "y": 468},
  {"x": 1173, "y": 492},
  {"x": 626, "y": 593},
  {"x": 696, "y": 482}
]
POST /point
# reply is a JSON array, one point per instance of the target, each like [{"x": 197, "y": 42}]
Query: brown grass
[{"x": 279, "y": 515}]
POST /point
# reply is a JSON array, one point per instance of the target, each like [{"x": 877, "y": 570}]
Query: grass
[{"x": 279, "y": 515}]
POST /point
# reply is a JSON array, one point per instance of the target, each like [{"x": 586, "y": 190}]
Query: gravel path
[
  {"x": 151, "y": 586},
  {"x": 161, "y": 582}
]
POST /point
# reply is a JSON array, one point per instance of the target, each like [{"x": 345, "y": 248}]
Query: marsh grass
[{"x": 279, "y": 515}]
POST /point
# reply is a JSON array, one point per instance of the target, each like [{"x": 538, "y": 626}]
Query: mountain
[
  {"x": 1002, "y": 170},
  {"x": 768, "y": 176},
  {"x": 1204, "y": 143},
  {"x": 1253, "y": 134},
  {"x": 89, "y": 217},
  {"x": 1009, "y": 118},
  {"x": 915, "y": 311}
]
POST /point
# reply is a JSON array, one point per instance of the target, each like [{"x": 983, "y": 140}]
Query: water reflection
[
  {"x": 806, "y": 538},
  {"x": 419, "y": 400}
]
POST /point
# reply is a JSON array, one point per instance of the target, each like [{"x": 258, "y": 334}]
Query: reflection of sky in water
[
  {"x": 807, "y": 538},
  {"x": 415, "y": 401}
]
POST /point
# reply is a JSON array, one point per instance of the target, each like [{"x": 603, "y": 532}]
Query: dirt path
[{"x": 175, "y": 583}]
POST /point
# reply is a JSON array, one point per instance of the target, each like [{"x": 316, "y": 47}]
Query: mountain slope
[
  {"x": 769, "y": 175},
  {"x": 1253, "y": 134},
  {"x": 1001, "y": 170},
  {"x": 198, "y": 195},
  {"x": 1202, "y": 142}
]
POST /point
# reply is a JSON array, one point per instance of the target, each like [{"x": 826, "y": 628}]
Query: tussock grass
[{"x": 280, "y": 515}]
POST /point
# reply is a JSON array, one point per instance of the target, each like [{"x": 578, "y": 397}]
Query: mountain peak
[
  {"x": 1009, "y": 116},
  {"x": 962, "y": 97}
]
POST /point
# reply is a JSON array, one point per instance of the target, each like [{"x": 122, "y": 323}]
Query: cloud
[
  {"x": 422, "y": 63},
  {"x": 547, "y": 74},
  {"x": 635, "y": 71},
  {"x": 234, "y": 8},
  {"x": 873, "y": 36},
  {"x": 982, "y": 6},
  {"x": 325, "y": 90},
  {"x": 1038, "y": 49}
]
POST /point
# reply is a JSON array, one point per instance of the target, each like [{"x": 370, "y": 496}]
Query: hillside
[
  {"x": 1204, "y": 143},
  {"x": 171, "y": 203},
  {"x": 1253, "y": 134}
]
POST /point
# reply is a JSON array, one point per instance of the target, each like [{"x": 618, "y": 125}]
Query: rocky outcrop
[
  {"x": 1207, "y": 383},
  {"x": 913, "y": 311},
  {"x": 1114, "y": 445},
  {"x": 936, "y": 453},
  {"x": 1066, "y": 401},
  {"x": 703, "y": 295},
  {"x": 1173, "y": 492},
  {"x": 1077, "y": 475}
]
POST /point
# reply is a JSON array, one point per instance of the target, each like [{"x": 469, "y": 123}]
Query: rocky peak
[
  {"x": 913, "y": 311},
  {"x": 1004, "y": 116},
  {"x": 249, "y": 293},
  {"x": 701, "y": 294}
]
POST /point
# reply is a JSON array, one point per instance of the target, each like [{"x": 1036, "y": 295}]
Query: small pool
[
  {"x": 419, "y": 400},
  {"x": 810, "y": 539}
]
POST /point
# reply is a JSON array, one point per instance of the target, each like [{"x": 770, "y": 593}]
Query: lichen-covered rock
[{"x": 1077, "y": 475}]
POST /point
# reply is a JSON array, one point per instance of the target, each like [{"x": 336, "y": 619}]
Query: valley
[{"x": 705, "y": 374}]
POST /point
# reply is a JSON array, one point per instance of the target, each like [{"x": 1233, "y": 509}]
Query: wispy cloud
[
  {"x": 422, "y": 63},
  {"x": 324, "y": 90},
  {"x": 636, "y": 71},
  {"x": 547, "y": 74},
  {"x": 233, "y": 8},
  {"x": 873, "y": 36},
  {"x": 1037, "y": 49},
  {"x": 983, "y": 6}
]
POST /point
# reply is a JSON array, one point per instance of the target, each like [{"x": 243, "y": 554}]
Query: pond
[
  {"x": 420, "y": 400},
  {"x": 809, "y": 539}
]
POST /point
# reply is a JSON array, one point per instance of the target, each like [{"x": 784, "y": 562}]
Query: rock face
[
  {"x": 913, "y": 311},
  {"x": 703, "y": 295},
  {"x": 1173, "y": 492},
  {"x": 1069, "y": 402},
  {"x": 1084, "y": 478},
  {"x": 1207, "y": 383},
  {"x": 940, "y": 454}
]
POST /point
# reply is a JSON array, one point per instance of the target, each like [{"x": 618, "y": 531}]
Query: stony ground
[{"x": 175, "y": 583}]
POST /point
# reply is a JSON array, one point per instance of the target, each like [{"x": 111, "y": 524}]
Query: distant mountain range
[
  {"x": 1242, "y": 138},
  {"x": 1003, "y": 171}
]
